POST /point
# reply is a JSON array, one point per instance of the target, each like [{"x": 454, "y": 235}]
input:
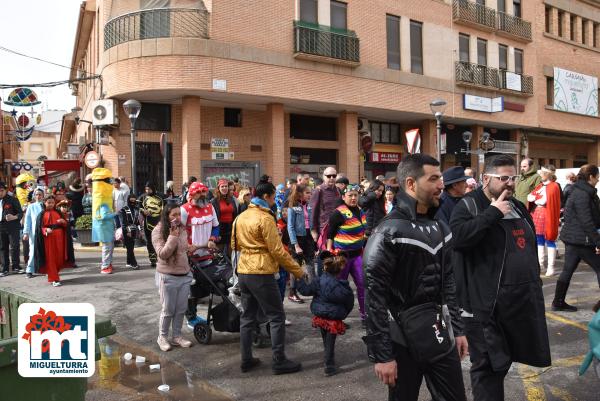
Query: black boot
[
  {"x": 559, "y": 303},
  {"x": 283, "y": 366}
]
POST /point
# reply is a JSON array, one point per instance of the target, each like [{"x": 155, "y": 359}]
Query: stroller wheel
[{"x": 203, "y": 333}]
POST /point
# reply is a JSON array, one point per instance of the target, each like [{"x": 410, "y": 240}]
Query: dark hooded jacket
[
  {"x": 582, "y": 216},
  {"x": 373, "y": 208},
  {"x": 75, "y": 195},
  {"x": 481, "y": 248},
  {"x": 332, "y": 298},
  {"x": 402, "y": 262}
]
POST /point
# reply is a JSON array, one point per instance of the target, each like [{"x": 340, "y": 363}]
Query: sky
[{"x": 44, "y": 29}]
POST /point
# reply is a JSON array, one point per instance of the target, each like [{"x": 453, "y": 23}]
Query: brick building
[{"x": 245, "y": 88}]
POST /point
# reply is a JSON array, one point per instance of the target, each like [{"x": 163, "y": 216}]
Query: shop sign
[
  {"x": 513, "y": 81},
  {"x": 219, "y": 84},
  {"x": 385, "y": 157},
  {"x": 484, "y": 104},
  {"x": 575, "y": 93},
  {"x": 92, "y": 159},
  {"x": 219, "y": 148}
]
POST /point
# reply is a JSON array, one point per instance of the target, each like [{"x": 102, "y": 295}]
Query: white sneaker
[
  {"x": 181, "y": 342},
  {"x": 163, "y": 343},
  {"x": 288, "y": 323},
  {"x": 56, "y": 284}
]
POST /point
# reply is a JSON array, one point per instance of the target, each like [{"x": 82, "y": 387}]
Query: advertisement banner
[
  {"x": 575, "y": 93},
  {"x": 385, "y": 157}
]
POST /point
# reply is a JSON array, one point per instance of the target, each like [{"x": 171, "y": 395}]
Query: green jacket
[{"x": 527, "y": 182}]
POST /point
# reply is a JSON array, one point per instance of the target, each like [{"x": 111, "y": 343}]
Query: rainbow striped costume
[{"x": 351, "y": 234}]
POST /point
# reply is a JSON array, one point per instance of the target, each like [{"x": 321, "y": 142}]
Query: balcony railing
[
  {"x": 467, "y": 11},
  {"x": 317, "y": 40},
  {"x": 514, "y": 26},
  {"x": 481, "y": 75},
  {"x": 156, "y": 23}
]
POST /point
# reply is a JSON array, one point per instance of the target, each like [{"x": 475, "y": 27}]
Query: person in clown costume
[
  {"x": 545, "y": 198},
  {"x": 103, "y": 222}
]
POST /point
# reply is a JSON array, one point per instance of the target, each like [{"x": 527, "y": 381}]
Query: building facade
[{"x": 284, "y": 87}]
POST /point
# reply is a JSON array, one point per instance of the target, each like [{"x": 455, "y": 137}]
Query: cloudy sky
[{"x": 43, "y": 29}]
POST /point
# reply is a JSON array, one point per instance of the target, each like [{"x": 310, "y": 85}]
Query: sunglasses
[
  {"x": 504, "y": 178},
  {"x": 330, "y": 175}
]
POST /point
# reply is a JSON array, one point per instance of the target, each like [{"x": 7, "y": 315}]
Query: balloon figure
[{"x": 103, "y": 223}]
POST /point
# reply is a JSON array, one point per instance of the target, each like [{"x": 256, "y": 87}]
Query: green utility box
[{"x": 16, "y": 388}]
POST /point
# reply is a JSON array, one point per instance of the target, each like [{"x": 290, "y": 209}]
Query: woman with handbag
[
  {"x": 129, "y": 218},
  {"x": 302, "y": 244}
]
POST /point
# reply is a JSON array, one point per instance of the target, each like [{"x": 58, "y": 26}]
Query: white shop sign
[
  {"x": 484, "y": 104},
  {"x": 513, "y": 81}
]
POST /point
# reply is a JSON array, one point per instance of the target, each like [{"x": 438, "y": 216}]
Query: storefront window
[{"x": 385, "y": 133}]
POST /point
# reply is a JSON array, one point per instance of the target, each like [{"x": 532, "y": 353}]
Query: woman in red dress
[{"x": 52, "y": 255}]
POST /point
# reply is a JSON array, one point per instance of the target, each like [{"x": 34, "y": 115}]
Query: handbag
[{"x": 426, "y": 329}]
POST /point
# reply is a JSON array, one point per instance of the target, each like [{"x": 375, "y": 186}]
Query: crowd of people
[{"x": 425, "y": 249}]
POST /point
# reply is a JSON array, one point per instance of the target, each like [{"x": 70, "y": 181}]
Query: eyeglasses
[
  {"x": 330, "y": 175},
  {"x": 505, "y": 178}
]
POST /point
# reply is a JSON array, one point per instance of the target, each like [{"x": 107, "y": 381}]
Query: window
[
  {"x": 416, "y": 47},
  {"x": 517, "y": 8},
  {"x": 503, "y": 57},
  {"x": 154, "y": 24},
  {"x": 154, "y": 117},
  {"x": 233, "y": 117},
  {"x": 481, "y": 51},
  {"x": 338, "y": 15},
  {"x": 36, "y": 147},
  {"x": 501, "y": 6},
  {"x": 584, "y": 30},
  {"x": 463, "y": 48},
  {"x": 548, "y": 19},
  {"x": 561, "y": 16},
  {"x": 550, "y": 91},
  {"x": 572, "y": 24},
  {"x": 309, "y": 11},
  {"x": 313, "y": 127},
  {"x": 518, "y": 61},
  {"x": 385, "y": 132},
  {"x": 393, "y": 41}
]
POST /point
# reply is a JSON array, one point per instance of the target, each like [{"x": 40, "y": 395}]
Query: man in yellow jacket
[{"x": 255, "y": 235}]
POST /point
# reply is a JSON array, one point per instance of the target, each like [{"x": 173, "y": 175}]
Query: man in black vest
[
  {"x": 10, "y": 225},
  {"x": 498, "y": 280}
]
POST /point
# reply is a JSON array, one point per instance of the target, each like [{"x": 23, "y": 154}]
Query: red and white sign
[
  {"x": 92, "y": 159},
  {"x": 413, "y": 141},
  {"x": 385, "y": 157}
]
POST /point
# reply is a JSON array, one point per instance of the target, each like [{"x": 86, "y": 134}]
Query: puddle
[{"x": 135, "y": 381}]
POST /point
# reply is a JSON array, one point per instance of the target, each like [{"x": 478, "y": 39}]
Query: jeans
[
  {"x": 575, "y": 254},
  {"x": 174, "y": 292},
  {"x": 107, "y": 253},
  {"x": 31, "y": 262},
  {"x": 260, "y": 292},
  {"x": 11, "y": 246},
  {"x": 354, "y": 268},
  {"x": 443, "y": 377}
]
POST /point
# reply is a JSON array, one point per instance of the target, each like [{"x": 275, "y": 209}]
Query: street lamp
[
  {"x": 132, "y": 109},
  {"x": 438, "y": 106}
]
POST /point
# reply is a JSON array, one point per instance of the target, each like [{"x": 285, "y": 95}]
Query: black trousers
[
  {"x": 575, "y": 254},
  {"x": 487, "y": 384},
  {"x": 129, "y": 243},
  {"x": 10, "y": 241},
  {"x": 443, "y": 378},
  {"x": 151, "y": 252},
  {"x": 307, "y": 244},
  {"x": 329, "y": 348},
  {"x": 260, "y": 292}
]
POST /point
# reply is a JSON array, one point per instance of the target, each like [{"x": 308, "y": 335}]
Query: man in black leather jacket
[{"x": 402, "y": 262}]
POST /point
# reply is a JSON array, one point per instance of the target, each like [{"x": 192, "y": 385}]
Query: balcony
[
  {"x": 470, "y": 13},
  {"x": 156, "y": 23},
  {"x": 329, "y": 45},
  {"x": 481, "y": 76},
  {"x": 514, "y": 27}
]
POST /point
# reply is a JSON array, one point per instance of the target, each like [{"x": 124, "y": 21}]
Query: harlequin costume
[
  {"x": 103, "y": 222},
  {"x": 546, "y": 198}
]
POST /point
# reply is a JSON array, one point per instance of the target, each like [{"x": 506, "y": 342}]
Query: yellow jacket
[{"x": 261, "y": 249}]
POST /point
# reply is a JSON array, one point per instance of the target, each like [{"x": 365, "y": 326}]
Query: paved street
[{"x": 131, "y": 300}]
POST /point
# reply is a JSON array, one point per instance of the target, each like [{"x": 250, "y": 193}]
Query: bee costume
[{"x": 152, "y": 205}]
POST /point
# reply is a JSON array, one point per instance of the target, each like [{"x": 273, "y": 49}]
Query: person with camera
[
  {"x": 129, "y": 221},
  {"x": 409, "y": 274}
]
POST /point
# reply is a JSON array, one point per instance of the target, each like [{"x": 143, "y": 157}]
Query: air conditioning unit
[
  {"x": 105, "y": 113},
  {"x": 103, "y": 137},
  {"x": 363, "y": 125}
]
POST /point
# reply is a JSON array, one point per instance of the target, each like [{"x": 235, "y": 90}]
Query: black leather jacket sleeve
[
  {"x": 379, "y": 261},
  {"x": 469, "y": 230},
  {"x": 450, "y": 293}
]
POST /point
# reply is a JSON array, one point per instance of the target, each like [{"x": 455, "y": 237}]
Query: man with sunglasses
[
  {"x": 497, "y": 279},
  {"x": 325, "y": 198}
]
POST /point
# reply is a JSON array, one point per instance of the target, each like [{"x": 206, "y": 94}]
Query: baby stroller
[{"x": 209, "y": 281}]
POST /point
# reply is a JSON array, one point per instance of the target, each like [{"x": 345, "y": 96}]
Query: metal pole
[
  {"x": 438, "y": 119},
  {"x": 133, "y": 183},
  {"x": 165, "y": 162}
]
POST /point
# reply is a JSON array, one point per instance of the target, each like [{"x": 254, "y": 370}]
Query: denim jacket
[{"x": 295, "y": 224}]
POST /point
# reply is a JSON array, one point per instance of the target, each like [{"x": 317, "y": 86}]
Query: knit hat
[{"x": 223, "y": 181}]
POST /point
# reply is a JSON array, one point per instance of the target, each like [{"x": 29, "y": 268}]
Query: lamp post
[
  {"x": 132, "y": 109},
  {"x": 438, "y": 106}
]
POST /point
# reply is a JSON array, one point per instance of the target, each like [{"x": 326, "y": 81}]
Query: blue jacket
[
  {"x": 295, "y": 223},
  {"x": 332, "y": 298}
]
